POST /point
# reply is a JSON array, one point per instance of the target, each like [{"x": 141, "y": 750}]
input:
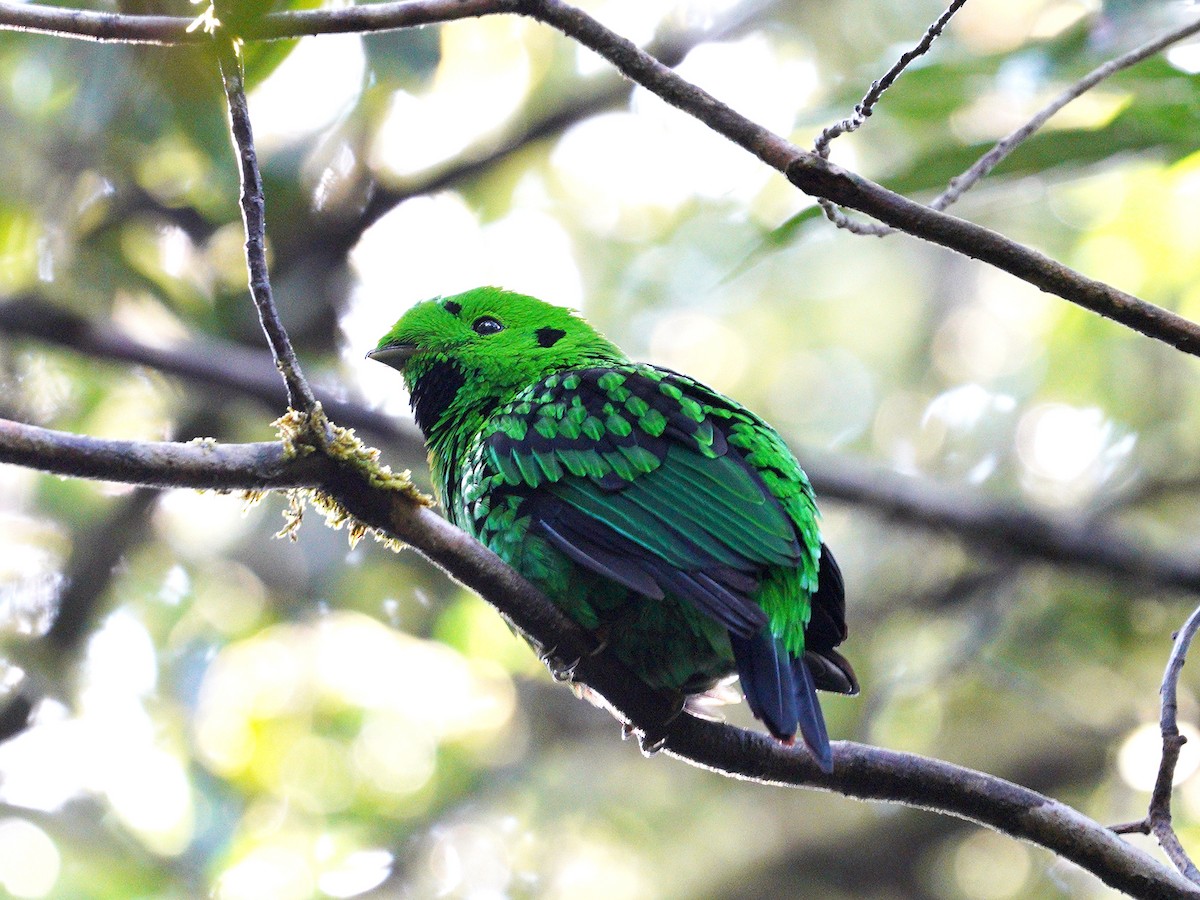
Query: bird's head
[{"x": 487, "y": 342}]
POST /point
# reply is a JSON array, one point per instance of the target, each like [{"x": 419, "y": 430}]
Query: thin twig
[
  {"x": 960, "y": 184},
  {"x": 866, "y": 106},
  {"x": 300, "y": 395},
  {"x": 863, "y": 111},
  {"x": 214, "y": 364},
  {"x": 1159, "y": 817}
]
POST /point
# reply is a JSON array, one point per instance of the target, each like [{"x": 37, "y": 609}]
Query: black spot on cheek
[
  {"x": 548, "y": 337},
  {"x": 452, "y": 307}
]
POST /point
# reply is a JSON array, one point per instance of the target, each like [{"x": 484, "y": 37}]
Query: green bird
[{"x": 664, "y": 517}]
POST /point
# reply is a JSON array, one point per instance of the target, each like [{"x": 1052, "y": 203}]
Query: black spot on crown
[
  {"x": 548, "y": 337},
  {"x": 453, "y": 307},
  {"x": 434, "y": 392}
]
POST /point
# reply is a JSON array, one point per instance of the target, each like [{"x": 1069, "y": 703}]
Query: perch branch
[
  {"x": 978, "y": 521},
  {"x": 859, "y": 771},
  {"x": 201, "y": 464}
]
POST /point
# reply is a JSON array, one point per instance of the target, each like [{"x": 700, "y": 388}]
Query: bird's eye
[{"x": 487, "y": 325}]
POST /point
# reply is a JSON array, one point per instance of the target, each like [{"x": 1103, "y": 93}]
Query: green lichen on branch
[{"x": 303, "y": 434}]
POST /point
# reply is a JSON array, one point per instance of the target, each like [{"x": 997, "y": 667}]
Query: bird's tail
[{"x": 781, "y": 692}]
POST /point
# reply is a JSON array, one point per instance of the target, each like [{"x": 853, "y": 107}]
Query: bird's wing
[{"x": 647, "y": 478}]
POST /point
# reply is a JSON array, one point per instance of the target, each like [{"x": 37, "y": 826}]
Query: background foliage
[{"x": 263, "y": 718}]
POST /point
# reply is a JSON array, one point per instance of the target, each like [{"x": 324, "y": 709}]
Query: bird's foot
[
  {"x": 652, "y": 747},
  {"x": 560, "y": 669},
  {"x": 651, "y": 741}
]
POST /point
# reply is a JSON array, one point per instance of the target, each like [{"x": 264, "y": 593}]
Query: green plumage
[{"x": 650, "y": 508}]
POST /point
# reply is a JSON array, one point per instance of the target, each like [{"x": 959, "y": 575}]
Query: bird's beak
[{"x": 394, "y": 355}]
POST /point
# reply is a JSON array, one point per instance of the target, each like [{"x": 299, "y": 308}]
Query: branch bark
[
  {"x": 983, "y": 522},
  {"x": 119, "y": 28},
  {"x": 202, "y": 464},
  {"x": 820, "y": 178},
  {"x": 806, "y": 170},
  {"x": 859, "y": 771},
  {"x": 1158, "y": 819},
  {"x": 863, "y": 111},
  {"x": 253, "y": 203}
]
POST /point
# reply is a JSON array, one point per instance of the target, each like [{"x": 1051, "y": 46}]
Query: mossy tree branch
[{"x": 860, "y": 771}]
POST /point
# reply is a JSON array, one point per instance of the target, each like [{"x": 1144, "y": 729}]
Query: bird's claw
[
  {"x": 651, "y": 747},
  {"x": 560, "y": 670},
  {"x": 651, "y": 742},
  {"x": 602, "y": 642}
]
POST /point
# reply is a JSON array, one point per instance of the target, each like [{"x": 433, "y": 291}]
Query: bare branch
[
  {"x": 859, "y": 771},
  {"x": 999, "y": 527},
  {"x": 202, "y": 464},
  {"x": 872, "y": 773},
  {"x": 866, "y": 106},
  {"x": 1159, "y": 817},
  {"x": 300, "y": 396},
  {"x": 960, "y": 184},
  {"x": 820, "y": 178},
  {"x": 136, "y": 29},
  {"x": 95, "y": 26}
]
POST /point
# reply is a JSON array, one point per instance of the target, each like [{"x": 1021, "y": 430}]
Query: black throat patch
[
  {"x": 434, "y": 392},
  {"x": 548, "y": 337}
]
